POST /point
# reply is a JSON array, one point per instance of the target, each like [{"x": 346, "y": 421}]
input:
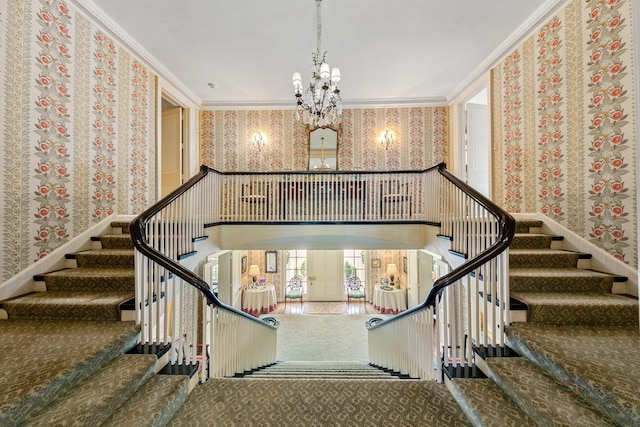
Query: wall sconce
[
  {"x": 387, "y": 138},
  {"x": 259, "y": 139}
]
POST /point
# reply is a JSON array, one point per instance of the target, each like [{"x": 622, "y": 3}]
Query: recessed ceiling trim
[
  {"x": 435, "y": 101},
  {"x": 536, "y": 19},
  {"x": 91, "y": 10}
]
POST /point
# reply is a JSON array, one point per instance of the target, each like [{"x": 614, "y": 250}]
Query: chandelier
[{"x": 320, "y": 104}]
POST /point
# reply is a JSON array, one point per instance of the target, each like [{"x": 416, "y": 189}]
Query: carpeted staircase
[
  {"x": 326, "y": 370},
  {"x": 320, "y": 394},
  {"x": 64, "y": 358},
  {"x": 575, "y": 354}
]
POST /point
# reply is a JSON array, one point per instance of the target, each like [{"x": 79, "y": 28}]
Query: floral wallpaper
[
  {"x": 563, "y": 133},
  {"x": 421, "y": 139},
  {"x": 76, "y": 115}
]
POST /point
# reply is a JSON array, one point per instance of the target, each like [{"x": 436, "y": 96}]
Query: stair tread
[
  {"x": 576, "y": 353},
  {"x": 110, "y": 272},
  {"x": 550, "y": 258},
  {"x": 555, "y": 272},
  {"x": 156, "y": 401},
  {"x": 88, "y": 305},
  {"x": 486, "y": 404},
  {"x": 90, "y": 278},
  {"x": 542, "y": 251},
  {"x": 71, "y": 297},
  {"x": 94, "y": 401},
  {"x": 573, "y": 298},
  {"x": 322, "y": 369},
  {"x": 543, "y": 398},
  {"x": 523, "y": 225},
  {"x": 69, "y": 350},
  {"x": 531, "y": 240},
  {"x": 320, "y": 402},
  {"x": 107, "y": 252},
  {"x": 578, "y": 308}
]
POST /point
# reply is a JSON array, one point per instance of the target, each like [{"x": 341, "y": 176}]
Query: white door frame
[
  {"x": 458, "y": 124},
  {"x": 190, "y": 111}
]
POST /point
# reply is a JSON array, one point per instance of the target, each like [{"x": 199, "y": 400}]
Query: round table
[
  {"x": 260, "y": 300},
  {"x": 391, "y": 301}
]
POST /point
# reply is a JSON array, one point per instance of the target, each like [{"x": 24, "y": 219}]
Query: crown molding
[
  {"x": 435, "y": 101},
  {"x": 536, "y": 19},
  {"x": 92, "y": 11}
]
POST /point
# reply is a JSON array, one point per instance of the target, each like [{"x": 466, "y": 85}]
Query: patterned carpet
[
  {"x": 579, "y": 346},
  {"x": 322, "y": 403},
  {"x": 600, "y": 360},
  {"x": 40, "y": 359},
  {"x": 322, "y": 337}
]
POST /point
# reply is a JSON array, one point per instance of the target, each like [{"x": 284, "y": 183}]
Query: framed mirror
[
  {"x": 323, "y": 149},
  {"x": 271, "y": 262}
]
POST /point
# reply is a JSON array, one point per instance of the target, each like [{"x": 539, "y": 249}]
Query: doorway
[
  {"x": 325, "y": 275},
  {"x": 172, "y": 147},
  {"x": 477, "y": 145}
]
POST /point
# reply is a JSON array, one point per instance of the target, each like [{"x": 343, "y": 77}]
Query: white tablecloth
[
  {"x": 389, "y": 302},
  {"x": 259, "y": 301}
]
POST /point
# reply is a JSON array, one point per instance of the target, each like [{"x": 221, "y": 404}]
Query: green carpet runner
[
  {"x": 63, "y": 359},
  {"x": 578, "y": 346}
]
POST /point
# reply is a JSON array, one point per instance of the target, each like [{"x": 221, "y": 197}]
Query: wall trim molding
[
  {"x": 436, "y": 101},
  {"x": 542, "y": 14},
  {"x": 93, "y": 12}
]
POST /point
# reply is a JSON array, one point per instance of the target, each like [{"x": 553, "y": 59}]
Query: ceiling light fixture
[{"x": 320, "y": 104}]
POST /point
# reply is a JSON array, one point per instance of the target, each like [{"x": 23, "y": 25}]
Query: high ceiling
[{"x": 388, "y": 51}]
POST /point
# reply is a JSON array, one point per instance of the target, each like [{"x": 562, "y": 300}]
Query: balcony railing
[{"x": 201, "y": 328}]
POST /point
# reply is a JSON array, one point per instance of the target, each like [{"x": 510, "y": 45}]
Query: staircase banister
[
  {"x": 138, "y": 235},
  {"x": 507, "y": 230}
]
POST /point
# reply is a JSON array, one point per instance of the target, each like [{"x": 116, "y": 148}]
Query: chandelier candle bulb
[
  {"x": 335, "y": 75},
  {"x": 324, "y": 70},
  {"x": 297, "y": 80}
]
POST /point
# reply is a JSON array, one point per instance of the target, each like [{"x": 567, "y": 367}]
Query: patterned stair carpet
[
  {"x": 599, "y": 360},
  {"x": 263, "y": 402},
  {"x": 578, "y": 346},
  {"x": 103, "y": 281},
  {"x": 324, "y": 370},
  {"x": 62, "y": 356},
  {"x": 42, "y": 359}
]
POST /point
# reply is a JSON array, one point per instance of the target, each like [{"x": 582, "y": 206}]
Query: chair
[
  {"x": 255, "y": 195},
  {"x": 393, "y": 197},
  {"x": 294, "y": 289},
  {"x": 355, "y": 289}
]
